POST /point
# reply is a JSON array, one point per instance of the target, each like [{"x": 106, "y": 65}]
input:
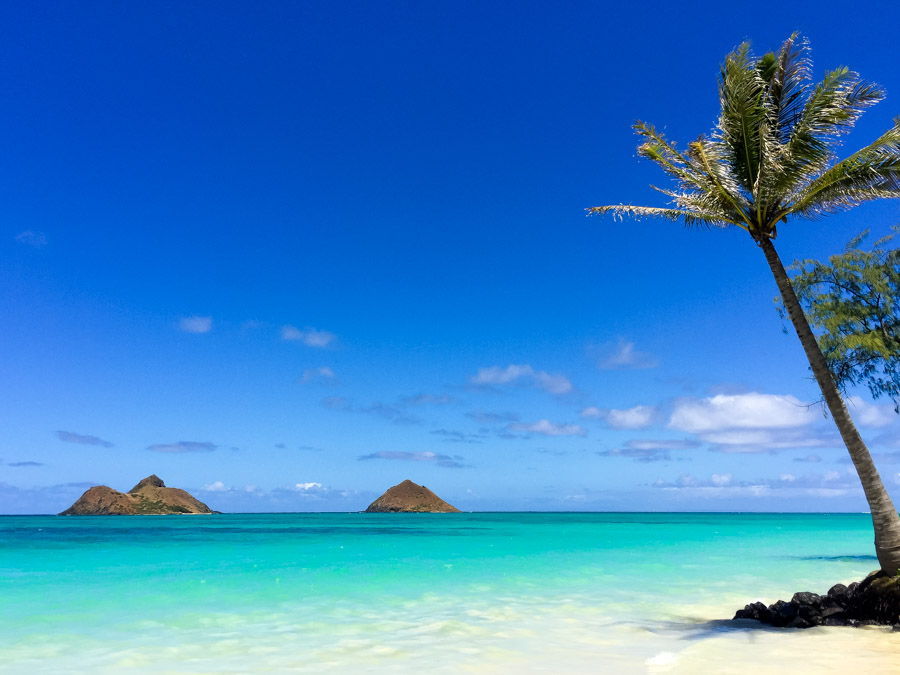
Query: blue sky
[{"x": 287, "y": 255}]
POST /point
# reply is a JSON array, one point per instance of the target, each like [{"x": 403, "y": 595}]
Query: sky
[{"x": 286, "y": 255}]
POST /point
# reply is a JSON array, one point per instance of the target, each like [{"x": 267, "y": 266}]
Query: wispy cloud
[
  {"x": 649, "y": 450},
  {"x": 828, "y": 484},
  {"x": 32, "y": 238},
  {"x": 663, "y": 444},
  {"x": 219, "y": 486},
  {"x": 453, "y": 436},
  {"x": 311, "y": 337},
  {"x": 548, "y": 428},
  {"x": 809, "y": 459},
  {"x": 639, "y": 454},
  {"x": 517, "y": 374},
  {"x": 195, "y": 324},
  {"x": 183, "y": 446},
  {"x": 445, "y": 461},
  {"x": 392, "y": 413},
  {"x": 638, "y": 417},
  {"x": 323, "y": 375},
  {"x": 82, "y": 439},
  {"x": 621, "y": 355},
  {"x": 428, "y": 399},
  {"x": 24, "y": 464},
  {"x": 491, "y": 418}
]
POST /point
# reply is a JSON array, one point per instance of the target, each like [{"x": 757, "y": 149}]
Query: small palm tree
[{"x": 772, "y": 157}]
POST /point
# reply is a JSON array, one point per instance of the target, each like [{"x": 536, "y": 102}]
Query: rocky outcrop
[
  {"x": 873, "y": 601},
  {"x": 408, "y": 497},
  {"x": 150, "y": 497}
]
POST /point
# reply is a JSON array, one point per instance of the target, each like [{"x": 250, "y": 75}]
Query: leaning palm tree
[{"x": 771, "y": 158}]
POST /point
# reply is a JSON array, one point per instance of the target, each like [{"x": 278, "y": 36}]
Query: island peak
[
  {"x": 152, "y": 481},
  {"x": 409, "y": 497}
]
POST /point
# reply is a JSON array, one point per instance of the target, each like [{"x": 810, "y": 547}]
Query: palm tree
[{"x": 770, "y": 158}]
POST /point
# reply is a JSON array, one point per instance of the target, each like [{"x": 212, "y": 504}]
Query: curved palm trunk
[{"x": 884, "y": 515}]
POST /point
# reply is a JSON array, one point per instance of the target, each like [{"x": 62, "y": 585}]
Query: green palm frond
[
  {"x": 787, "y": 87},
  {"x": 741, "y": 94},
  {"x": 870, "y": 173},
  {"x": 831, "y": 110}
]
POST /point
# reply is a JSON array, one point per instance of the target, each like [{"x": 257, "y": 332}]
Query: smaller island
[
  {"x": 150, "y": 497},
  {"x": 408, "y": 497}
]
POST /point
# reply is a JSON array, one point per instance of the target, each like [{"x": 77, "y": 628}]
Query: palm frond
[
  {"x": 714, "y": 158},
  {"x": 870, "y": 173},
  {"x": 831, "y": 110},
  {"x": 664, "y": 153},
  {"x": 689, "y": 217},
  {"x": 741, "y": 92},
  {"x": 788, "y": 86},
  {"x": 787, "y": 83}
]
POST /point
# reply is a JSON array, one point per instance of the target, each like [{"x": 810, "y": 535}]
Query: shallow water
[{"x": 450, "y": 593}]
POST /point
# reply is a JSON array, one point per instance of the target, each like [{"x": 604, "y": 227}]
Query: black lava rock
[{"x": 873, "y": 601}]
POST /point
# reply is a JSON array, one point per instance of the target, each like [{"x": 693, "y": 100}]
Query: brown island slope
[
  {"x": 407, "y": 497},
  {"x": 150, "y": 497}
]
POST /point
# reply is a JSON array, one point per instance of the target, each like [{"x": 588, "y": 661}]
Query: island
[
  {"x": 150, "y": 497},
  {"x": 408, "y": 497}
]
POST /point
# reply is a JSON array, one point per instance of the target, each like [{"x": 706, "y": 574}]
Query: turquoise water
[{"x": 458, "y": 593}]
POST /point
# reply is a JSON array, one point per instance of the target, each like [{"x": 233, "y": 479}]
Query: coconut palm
[{"x": 771, "y": 158}]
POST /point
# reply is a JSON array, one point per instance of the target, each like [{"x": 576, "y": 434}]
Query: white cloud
[
  {"x": 306, "y": 487},
  {"x": 638, "y": 417},
  {"x": 621, "y": 355},
  {"x": 762, "y": 437},
  {"x": 870, "y": 415},
  {"x": 32, "y": 238},
  {"x": 311, "y": 337},
  {"x": 495, "y": 375},
  {"x": 721, "y": 479},
  {"x": 196, "y": 324},
  {"x": 217, "y": 486},
  {"x": 548, "y": 428},
  {"x": 740, "y": 411}
]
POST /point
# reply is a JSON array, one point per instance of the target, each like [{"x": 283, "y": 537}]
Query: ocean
[{"x": 427, "y": 593}]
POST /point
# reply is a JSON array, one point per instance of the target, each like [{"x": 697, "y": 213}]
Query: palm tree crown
[{"x": 772, "y": 153}]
